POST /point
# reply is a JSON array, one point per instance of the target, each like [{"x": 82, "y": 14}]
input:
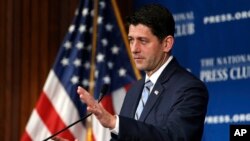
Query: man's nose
[{"x": 135, "y": 47}]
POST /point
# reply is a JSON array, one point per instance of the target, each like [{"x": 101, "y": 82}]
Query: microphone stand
[{"x": 68, "y": 126}]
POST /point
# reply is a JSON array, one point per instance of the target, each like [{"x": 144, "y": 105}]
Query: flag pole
[
  {"x": 124, "y": 37},
  {"x": 93, "y": 51},
  {"x": 92, "y": 66}
]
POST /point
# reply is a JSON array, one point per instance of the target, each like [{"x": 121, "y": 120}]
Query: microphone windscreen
[{"x": 104, "y": 90}]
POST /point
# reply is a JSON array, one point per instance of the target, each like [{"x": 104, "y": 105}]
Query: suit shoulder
[{"x": 185, "y": 78}]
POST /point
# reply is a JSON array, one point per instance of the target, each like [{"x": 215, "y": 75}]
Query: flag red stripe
[
  {"x": 49, "y": 116},
  {"x": 127, "y": 87},
  {"x": 107, "y": 103},
  {"x": 26, "y": 137}
]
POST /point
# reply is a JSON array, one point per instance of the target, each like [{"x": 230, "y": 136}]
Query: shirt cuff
[{"x": 116, "y": 129}]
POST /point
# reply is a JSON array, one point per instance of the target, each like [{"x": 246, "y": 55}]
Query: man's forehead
[{"x": 139, "y": 30}]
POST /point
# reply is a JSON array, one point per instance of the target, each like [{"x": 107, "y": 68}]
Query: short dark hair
[{"x": 158, "y": 18}]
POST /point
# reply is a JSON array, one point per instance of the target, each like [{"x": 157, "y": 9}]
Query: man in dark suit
[{"x": 173, "y": 106}]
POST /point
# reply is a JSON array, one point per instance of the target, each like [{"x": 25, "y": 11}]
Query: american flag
[{"x": 91, "y": 55}]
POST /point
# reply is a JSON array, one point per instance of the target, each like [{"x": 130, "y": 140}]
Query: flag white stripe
[
  {"x": 117, "y": 99},
  {"x": 100, "y": 133},
  {"x": 36, "y": 128},
  {"x": 61, "y": 101}
]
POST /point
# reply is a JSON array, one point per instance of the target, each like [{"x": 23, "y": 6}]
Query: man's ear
[{"x": 168, "y": 43}]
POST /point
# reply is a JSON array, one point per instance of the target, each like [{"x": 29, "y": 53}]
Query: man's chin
[{"x": 140, "y": 67}]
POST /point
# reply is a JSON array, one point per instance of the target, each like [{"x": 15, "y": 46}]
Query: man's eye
[
  {"x": 130, "y": 40},
  {"x": 143, "y": 41}
]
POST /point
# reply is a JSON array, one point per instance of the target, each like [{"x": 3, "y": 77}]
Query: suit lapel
[
  {"x": 158, "y": 88},
  {"x": 154, "y": 95}
]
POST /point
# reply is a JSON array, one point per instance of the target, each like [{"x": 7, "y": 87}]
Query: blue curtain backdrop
[{"x": 213, "y": 42}]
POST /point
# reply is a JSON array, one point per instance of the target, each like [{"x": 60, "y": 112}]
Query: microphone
[{"x": 104, "y": 90}]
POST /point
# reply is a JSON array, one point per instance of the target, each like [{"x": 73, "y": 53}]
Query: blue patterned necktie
[{"x": 144, "y": 98}]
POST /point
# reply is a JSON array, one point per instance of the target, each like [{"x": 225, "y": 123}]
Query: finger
[
  {"x": 86, "y": 97},
  {"x": 95, "y": 109},
  {"x": 81, "y": 90}
]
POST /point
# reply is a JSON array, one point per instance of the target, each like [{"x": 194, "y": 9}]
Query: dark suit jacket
[{"x": 175, "y": 109}]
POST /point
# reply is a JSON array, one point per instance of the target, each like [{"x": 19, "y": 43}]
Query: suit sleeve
[{"x": 184, "y": 121}]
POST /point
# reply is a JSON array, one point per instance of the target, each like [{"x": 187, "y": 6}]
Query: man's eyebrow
[{"x": 140, "y": 38}]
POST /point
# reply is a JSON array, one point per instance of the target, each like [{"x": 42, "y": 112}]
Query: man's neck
[
  {"x": 157, "y": 73},
  {"x": 164, "y": 60}
]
